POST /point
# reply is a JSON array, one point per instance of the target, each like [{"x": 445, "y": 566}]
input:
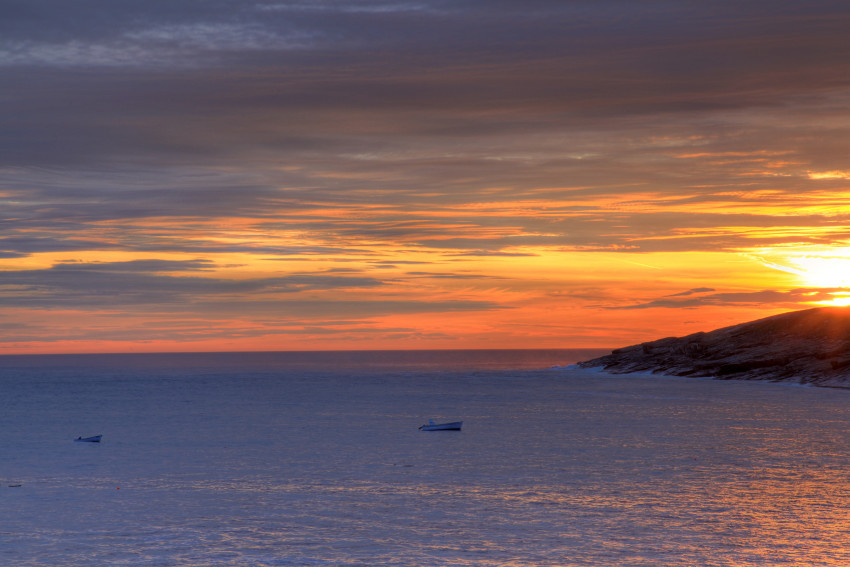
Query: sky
[{"x": 187, "y": 175}]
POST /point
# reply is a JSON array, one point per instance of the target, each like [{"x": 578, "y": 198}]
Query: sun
[
  {"x": 827, "y": 272},
  {"x": 831, "y": 272}
]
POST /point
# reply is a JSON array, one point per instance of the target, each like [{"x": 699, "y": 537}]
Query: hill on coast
[{"x": 809, "y": 347}]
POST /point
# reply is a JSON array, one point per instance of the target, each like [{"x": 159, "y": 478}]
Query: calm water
[{"x": 315, "y": 459}]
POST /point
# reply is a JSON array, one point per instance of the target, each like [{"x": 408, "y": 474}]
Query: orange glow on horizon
[{"x": 543, "y": 299}]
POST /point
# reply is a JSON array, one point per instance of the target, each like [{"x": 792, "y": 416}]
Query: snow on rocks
[{"x": 809, "y": 347}]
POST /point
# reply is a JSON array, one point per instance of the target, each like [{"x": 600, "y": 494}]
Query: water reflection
[{"x": 553, "y": 468}]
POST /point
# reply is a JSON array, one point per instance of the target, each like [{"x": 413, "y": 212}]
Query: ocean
[{"x": 302, "y": 459}]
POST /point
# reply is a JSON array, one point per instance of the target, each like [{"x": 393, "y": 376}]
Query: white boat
[
  {"x": 92, "y": 439},
  {"x": 451, "y": 426}
]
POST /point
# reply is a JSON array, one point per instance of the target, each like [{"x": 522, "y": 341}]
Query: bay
[{"x": 316, "y": 459}]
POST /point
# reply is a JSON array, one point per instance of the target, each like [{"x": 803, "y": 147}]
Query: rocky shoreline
[{"x": 806, "y": 347}]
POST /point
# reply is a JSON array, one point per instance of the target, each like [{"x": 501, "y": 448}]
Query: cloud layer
[{"x": 551, "y": 160}]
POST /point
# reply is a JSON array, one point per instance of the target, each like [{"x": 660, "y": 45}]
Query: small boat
[
  {"x": 92, "y": 439},
  {"x": 451, "y": 426}
]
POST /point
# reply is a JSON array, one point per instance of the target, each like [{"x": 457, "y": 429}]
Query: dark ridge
[{"x": 809, "y": 347}]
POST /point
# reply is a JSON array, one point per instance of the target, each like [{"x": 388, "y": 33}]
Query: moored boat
[
  {"x": 451, "y": 426},
  {"x": 92, "y": 439}
]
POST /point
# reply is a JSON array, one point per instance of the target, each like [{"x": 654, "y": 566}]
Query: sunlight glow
[
  {"x": 826, "y": 269},
  {"x": 824, "y": 272},
  {"x": 839, "y": 301},
  {"x": 829, "y": 174}
]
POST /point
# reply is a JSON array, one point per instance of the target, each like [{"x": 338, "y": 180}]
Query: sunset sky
[{"x": 181, "y": 175}]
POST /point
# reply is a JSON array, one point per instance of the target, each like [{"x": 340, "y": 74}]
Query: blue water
[{"x": 315, "y": 459}]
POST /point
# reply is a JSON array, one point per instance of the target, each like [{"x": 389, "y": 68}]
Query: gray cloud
[
  {"x": 134, "y": 266},
  {"x": 147, "y": 286},
  {"x": 789, "y": 298},
  {"x": 693, "y": 291},
  {"x": 23, "y": 246},
  {"x": 142, "y": 283},
  {"x": 274, "y": 310},
  {"x": 187, "y": 331},
  {"x": 435, "y": 71}
]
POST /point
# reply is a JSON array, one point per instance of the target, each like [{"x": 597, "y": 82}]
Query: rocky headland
[{"x": 808, "y": 347}]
